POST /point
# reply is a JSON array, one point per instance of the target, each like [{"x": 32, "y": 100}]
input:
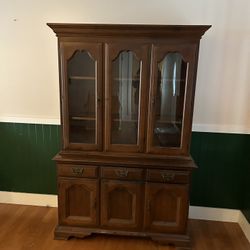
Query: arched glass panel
[
  {"x": 82, "y": 98},
  {"x": 126, "y": 71},
  {"x": 169, "y": 101}
]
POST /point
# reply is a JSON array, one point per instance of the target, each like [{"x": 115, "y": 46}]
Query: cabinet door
[
  {"x": 172, "y": 88},
  {"x": 121, "y": 204},
  {"x": 78, "y": 202},
  {"x": 81, "y": 95},
  {"x": 166, "y": 208},
  {"x": 125, "y": 92}
]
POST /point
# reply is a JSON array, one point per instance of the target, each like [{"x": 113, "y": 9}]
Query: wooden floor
[{"x": 29, "y": 227}]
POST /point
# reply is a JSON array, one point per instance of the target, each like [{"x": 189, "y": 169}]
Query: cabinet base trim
[
  {"x": 178, "y": 240},
  {"x": 64, "y": 233}
]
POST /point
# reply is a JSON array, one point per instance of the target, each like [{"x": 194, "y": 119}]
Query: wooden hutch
[{"x": 127, "y": 94}]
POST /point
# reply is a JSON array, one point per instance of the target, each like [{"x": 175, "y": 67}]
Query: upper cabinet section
[{"x": 128, "y": 88}]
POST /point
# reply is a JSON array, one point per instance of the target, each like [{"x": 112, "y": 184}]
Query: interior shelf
[
  {"x": 157, "y": 121},
  {"x": 83, "y": 118},
  {"x": 121, "y": 120},
  {"x": 82, "y": 78},
  {"x": 126, "y": 79},
  {"x": 173, "y": 79},
  {"x": 93, "y": 78},
  {"x": 168, "y": 122}
]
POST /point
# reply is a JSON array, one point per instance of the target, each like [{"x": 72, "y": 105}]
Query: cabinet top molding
[{"x": 129, "y": 30}]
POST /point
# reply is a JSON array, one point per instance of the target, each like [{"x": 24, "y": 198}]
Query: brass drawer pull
[
  {"x": 77, "y": 171},
  {"x": 167, "y": 176},
  {"x": 121, "y": 172}
]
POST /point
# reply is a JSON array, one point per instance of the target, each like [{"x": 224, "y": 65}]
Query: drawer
[
  {"x": 77, "y": 170},
  {"x": 169, "y": 176},
  {"x": 122, "y": 173}
]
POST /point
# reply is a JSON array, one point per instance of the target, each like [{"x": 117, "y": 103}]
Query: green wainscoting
[
  {"x": 246, "y": 202},
  {"x": 25, "y": 158},
  {"x": 222, "y": 179},
  {"x": 222, "y": 163}
]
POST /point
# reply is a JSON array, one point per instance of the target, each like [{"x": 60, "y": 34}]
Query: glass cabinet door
[
  {"x": 168, "y": 122},
  {"x": 125, "y": 95},
  {"x": 82, "y": 90}
]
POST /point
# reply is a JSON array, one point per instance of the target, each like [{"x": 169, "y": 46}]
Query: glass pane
[
  {"x": 82, "y": 104},
  {"x": 125, "y": 98},
  {"x": 169, "y": 101}
]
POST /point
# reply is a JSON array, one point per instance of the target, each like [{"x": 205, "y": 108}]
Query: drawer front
[
  {"x": 77, "y": 170},
  {"x": 169, "y": 176},
  {"x": 122, "y": 173}
]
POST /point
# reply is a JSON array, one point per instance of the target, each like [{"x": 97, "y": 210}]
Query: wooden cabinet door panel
[
  {"x": 166, "y": 207},
  {"x": 121, "y": 204},
  {"x": 78, "y": 202}
]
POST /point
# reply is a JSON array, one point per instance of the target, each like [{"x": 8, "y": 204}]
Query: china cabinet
[{"x": 127, "y": 94}]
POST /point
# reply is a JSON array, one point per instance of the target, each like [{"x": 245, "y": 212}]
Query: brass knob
[
  {"x": 121, "y": 172},
  {"x": 77, "y": 170},
  {"x": 167, "y": 176}
]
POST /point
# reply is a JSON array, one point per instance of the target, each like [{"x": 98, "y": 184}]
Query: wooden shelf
[
  {"x": 120, "y": 120},
  {"x": 171, "y": 79},
  {"x": 168, "y": 122},
  {"x": 158, "y": 121},
  {"x": 82, "y": 78},
  {"x": 83, "y": 118},
  {"x": 93, "y": 78},
  {"x": 126, "y": 79}
]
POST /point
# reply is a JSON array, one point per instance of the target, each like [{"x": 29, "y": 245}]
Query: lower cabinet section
[
  {"x": 166, "y": 207},
  {"x": 121, "y": 204},
  {"x": 78, "y": 202}
]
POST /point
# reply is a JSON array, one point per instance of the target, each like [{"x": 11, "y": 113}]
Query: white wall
[{"x": 28, "y": 54}]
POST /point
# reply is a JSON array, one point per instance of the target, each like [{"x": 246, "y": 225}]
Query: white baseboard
[
  {"x": 245, "y": 225},
  {"x": 28, "y": 199},
  {"x": 210, "y": 213},
  {"x": 195, "y": 212}
]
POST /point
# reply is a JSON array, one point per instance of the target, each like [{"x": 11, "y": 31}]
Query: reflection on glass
[
  {"x": 81, "y": 99},
  {"x": 169, "y": 101},
  {"x": 125, "y": 98}
]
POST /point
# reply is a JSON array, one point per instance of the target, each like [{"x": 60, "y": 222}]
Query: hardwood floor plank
[{"x": 32, "y": 228}]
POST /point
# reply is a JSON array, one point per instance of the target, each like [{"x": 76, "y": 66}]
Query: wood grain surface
[{"x": 30, "y": 227}]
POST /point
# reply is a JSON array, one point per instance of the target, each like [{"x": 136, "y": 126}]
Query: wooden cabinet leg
[
  {"x": 58, "y": 236},
  {"x": 63, "y": 234}
]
